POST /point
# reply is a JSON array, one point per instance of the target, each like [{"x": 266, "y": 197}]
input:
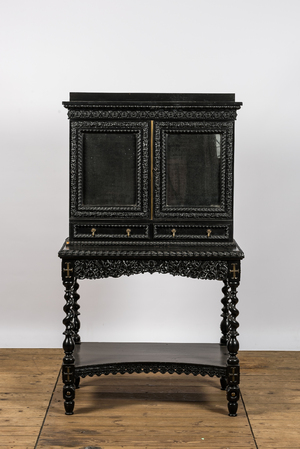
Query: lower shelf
[{"x": 181, "y": 358}]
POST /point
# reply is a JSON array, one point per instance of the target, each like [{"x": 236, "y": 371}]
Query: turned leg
[
  {"x": 68, "y": 367},
  {"x": 76, "y": 308},
  {"x": 233, "y": 368},
  {"x": 224, "y": 325},
  {"x": 224, "y": 314}
]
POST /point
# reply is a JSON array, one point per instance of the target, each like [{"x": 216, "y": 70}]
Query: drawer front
[
  {"x": 191, "y": 232},
  {"x": 110, "y": 231}
]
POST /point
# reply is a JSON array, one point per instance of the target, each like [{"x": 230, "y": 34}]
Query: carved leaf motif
[{"x": 97, "y": 269}]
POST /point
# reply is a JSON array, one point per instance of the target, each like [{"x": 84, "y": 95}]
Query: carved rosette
[{"x": 96, "y": 269}]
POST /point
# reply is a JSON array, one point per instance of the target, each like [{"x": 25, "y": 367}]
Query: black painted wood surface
[
  {"x": 151, "y": 191},
  {"x": 88, "y": 354}
]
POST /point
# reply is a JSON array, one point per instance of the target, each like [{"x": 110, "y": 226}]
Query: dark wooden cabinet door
[
  {"x": 109, "y": 169},
  {"x": 193, "y": 169}
]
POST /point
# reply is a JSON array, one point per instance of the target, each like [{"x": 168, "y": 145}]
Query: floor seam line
[
  {"x": 254, "y": 439},
  {"x": 48, "y": 407}
]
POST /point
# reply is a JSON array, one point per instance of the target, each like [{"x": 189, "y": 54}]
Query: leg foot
[
  {"x": 233, "y": 395},
  {"x": 69, "y": 395}
]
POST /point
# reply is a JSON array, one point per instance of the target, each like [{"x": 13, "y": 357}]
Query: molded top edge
[{"x": 171, "y": 98}]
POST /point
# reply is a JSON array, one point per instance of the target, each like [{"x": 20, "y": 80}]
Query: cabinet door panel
[
  {"x": 193, "y": 169},
  {"x": 111, "y": 178},
  {"x": 109, "y": 169}
]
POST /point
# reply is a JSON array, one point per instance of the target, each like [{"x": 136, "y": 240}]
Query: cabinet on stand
[{"x": 151, "y": 191}]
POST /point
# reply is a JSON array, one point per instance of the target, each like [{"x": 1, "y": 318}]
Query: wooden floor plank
[
  {"x": 161, "y": 446},
  {"x": 149, "y": 411},
  {"x": 114, "y": 413},
  {"x": 27, "y": 381},
  {"x": 20, "y": 440}
]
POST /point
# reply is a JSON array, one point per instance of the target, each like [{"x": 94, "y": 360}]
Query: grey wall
[{"x": 51, "y": 47}]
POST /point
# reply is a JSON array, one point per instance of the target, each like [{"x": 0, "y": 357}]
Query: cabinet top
[{"x": 154, "y": 98}]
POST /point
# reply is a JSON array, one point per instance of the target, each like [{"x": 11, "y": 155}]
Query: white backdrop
[{"x": 51, "y": 47}]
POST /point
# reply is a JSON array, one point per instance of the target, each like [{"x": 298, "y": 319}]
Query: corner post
[
  {"x": 233, "y": 367},
  {"x": 68, "y": 367},
  {"x": 224, "y": 325}
]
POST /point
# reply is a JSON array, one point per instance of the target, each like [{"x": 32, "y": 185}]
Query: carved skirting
[
  {"x": 97, "y": 269},
  {"x": 170, "y": 368}
]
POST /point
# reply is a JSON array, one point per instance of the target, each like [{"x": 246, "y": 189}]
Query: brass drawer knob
[
  {"x": 128, "y": 231},
  {"x": 209, "y": 231},
  {"x": 93, "y": 230},
  {"x": 173, "y": 232}
]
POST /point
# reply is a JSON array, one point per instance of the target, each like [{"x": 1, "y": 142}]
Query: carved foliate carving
[{"x": 96, "y": 269}]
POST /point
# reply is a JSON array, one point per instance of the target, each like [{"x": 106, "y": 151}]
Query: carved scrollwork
[{"x": 97, "y": 269}]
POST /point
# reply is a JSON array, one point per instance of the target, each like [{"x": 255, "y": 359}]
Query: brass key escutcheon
[
  {"x": 209, "y": 231},
  {"x": 128, "y": 231},
  {"x": 93, "y": 230},
  {"x": 173, "y": 232}
]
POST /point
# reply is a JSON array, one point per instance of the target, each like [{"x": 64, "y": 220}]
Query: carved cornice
[
  {"x": 97, "y": 269},
  {"x": 171, "y": 368},
  {"x": 152, "y": 112}
]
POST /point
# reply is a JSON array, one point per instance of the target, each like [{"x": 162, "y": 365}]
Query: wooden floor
[{"x": 152, "y": 411}]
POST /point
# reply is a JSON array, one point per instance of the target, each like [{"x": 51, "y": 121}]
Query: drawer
[
  {"x": 191, "y": 232},
  {"x": 110, "y": 231}
]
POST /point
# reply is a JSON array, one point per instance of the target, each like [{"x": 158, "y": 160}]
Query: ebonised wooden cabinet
[{"x": 151, "y": 190}]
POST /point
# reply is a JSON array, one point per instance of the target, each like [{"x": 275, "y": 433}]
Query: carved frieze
[
  {"x": 198, "y": 269},
  {"x": 151, "y": 113}
]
